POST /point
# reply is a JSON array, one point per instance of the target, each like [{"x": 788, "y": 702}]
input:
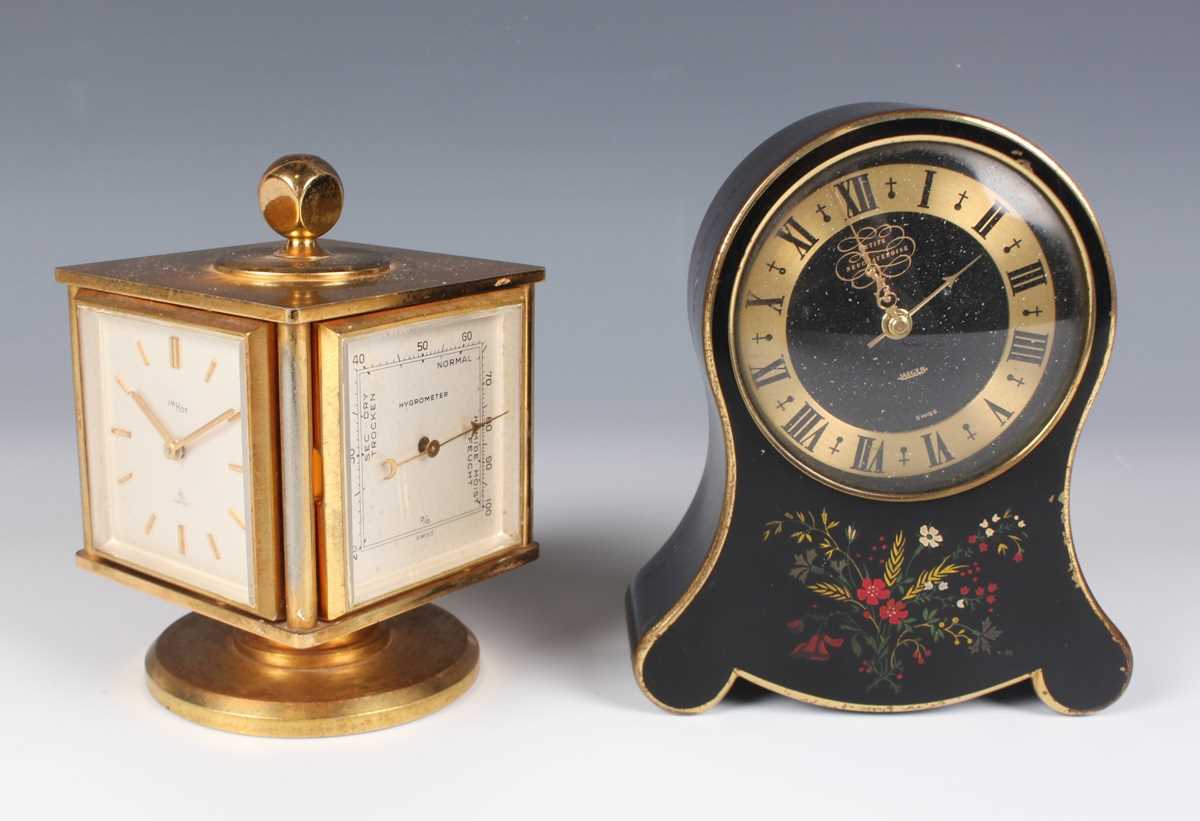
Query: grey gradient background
[{"x": 589, "y": 139}]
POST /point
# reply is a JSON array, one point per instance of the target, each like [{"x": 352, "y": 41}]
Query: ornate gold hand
[
  {"x": 946, "y": 283},
  {"x": 885, "y": 297},
  {"x": 432, "y": 447},
  {"x": 205, "y": 429}
]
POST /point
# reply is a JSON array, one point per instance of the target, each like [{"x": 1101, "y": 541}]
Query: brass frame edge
[
  {"x": 651, "y": 636},
  {"x": 294, "y": 314},
  {"x": 298, "y": 504},
  {"x": 80, "y": 432},
  {"x": 325, "y": 631}
]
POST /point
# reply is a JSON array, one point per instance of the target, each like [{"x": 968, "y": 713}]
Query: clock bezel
[
  {"x": 336, "y": 599},
  {"x": 1089, "y": 302},
  {"x": 257, "y": 338}
]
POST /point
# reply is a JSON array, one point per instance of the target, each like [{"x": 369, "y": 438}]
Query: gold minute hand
[
  {"x": 946, "y": 283},
  {"x": 203, "y": 430}
]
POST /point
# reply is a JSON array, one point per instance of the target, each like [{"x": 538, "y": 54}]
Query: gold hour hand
[{"x": 149, "y": 413}]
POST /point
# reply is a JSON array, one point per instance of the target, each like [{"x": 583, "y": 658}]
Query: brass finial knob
[{"x": 301, "y": 198}]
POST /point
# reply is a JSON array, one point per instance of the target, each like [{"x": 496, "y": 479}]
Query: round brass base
[{"x": 392, "y": 672}]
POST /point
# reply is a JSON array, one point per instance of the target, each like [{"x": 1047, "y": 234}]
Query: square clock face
[
  {"x": 178, "y": 455},
  {"x": 425, "y": 443}
]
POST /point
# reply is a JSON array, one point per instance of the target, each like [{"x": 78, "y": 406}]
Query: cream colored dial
[{"x": 168, "y": 449}]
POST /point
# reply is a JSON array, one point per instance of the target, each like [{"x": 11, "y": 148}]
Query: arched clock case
[{"x": 904, "y": 316}]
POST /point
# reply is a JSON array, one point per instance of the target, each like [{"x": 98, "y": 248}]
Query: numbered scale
[
  {"x": 432, "y": 417},
  {"x": 304, "y": 444},
  {"x": 905, "y": 315}
]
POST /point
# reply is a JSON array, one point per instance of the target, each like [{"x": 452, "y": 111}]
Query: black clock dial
[
  {"x": 957, "y": 341},
  {"x": 911, "y": 319}
]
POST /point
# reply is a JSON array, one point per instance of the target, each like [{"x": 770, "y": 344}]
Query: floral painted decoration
[{"x": 890, "y": 603}]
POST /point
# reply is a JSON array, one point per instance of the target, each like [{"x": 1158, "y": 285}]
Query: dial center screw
[{"x": 897, "y": 323}]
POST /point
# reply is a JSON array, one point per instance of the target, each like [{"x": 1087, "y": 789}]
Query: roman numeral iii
[
  {"x": 797, "y": 235},
  {"x": 857, "y": 195},
  {"x": 1028, "y": 347},
  {"x": 1030, "y": 276}
]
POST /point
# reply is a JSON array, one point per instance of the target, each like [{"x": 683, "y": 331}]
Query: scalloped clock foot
[
  {"x": 701, "y": 685},
  {"x": 1078, "y": 686}
]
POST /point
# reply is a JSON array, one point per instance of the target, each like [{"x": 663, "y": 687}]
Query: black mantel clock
[{"x": 904, "y": 316}]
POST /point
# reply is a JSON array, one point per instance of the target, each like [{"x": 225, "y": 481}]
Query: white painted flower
[
  {"x": 1020, "y": 523},
  {"x": 943, "y": 585},
  {"x": 928, "y": 586},
  {"x": 995, "y": 517},
  {"x": 961, "y": 603},
  {"x": 930, "y": 537}
]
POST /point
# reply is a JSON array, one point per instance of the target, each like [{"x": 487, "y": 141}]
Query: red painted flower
[
  {"x": 993, "y": 587},
  {"x": 873, "y": 591},
  {"x": 817, "y": 647},
  {"x": 978, "y": 591},
  {"x": 1020, "y": 557},
  {"x": 983, "y": 547},
  {"x": 990, "y": 600},
  {"x": 893, "y": 611},
  {"x": 964, "y": 590},
  {"x": 972, "y": 539}
]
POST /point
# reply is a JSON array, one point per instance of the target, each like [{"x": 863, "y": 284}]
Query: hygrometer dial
[{"x": 432, "y": 409}]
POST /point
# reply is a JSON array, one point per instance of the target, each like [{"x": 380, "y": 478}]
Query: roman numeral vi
[{"x": 936, "y": 449}]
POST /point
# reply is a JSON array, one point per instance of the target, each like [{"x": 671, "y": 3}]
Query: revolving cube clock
[{"x": 304, "y": 444}]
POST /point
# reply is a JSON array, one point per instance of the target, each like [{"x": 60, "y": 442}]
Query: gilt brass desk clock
[
  {"x": 904, "y": 316},
  {"x": 305, "y": 444}
]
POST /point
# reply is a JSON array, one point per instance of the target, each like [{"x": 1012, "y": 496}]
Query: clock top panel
[{"x": 192, "y": 279}]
